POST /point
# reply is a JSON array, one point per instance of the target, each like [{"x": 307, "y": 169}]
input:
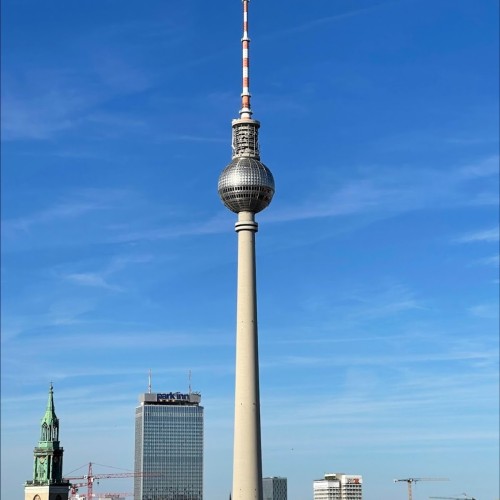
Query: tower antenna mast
[
  {"x": 245, "y": 111},
  {"x": 149, "y": 382}
]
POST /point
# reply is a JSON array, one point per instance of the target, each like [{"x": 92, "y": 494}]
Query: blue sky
[{"x": 377, "y": 260}]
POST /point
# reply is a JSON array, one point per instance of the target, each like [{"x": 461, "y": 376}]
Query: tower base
[{"x": 48, "y": 492}]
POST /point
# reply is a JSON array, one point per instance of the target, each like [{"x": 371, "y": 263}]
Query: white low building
[{"x": 339, "y": 486}]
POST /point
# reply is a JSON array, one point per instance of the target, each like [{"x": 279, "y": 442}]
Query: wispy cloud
[
  {"x": 117, "y": 120},
  {"x": 70, "y": 206},
  {"x": 412, "y": 402},
  {"x": 92, "y": 280},
  {"x": 101, "y": 279},
  {"x": 57, "y": 313},
  {"x": 338, "y": 339},
  {"x": 494, "y": 261},
  {"x": 316, "y": 23},
  {"x": 382, "y": 360},
  {"x": 362, "y": 305},
  {"x": 120, "y": 262},
  {"x": 487, "y": 311},
  {"x": 39, "y": 113},
  {"x": 213, "y": 225},
  {"x": 387, "y": 191},
  {"x": 41, "y": 102},
  {"x": 67, "y": 311},
  {"x": 129, "y": 339},
  {"x": 486, "y": 235},
  {"x": 471, "y": 140},
  {"x": 488, "y": 167},
  {"x": 192, "y": 138},
  {"x": 389, "y": 302}
]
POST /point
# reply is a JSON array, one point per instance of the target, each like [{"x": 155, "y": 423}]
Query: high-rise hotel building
[
  {"x": 338, "y": 486},
  {"x": 169, "y": 447}
]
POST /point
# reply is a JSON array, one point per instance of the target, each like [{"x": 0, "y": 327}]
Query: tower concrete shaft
[{"x": 247, "y": 459}]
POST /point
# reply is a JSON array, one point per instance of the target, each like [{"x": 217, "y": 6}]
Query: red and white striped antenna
[{"x": 245, "y": 111}]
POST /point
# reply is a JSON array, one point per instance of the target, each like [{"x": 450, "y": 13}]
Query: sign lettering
[{"x": 172, "y": 396}]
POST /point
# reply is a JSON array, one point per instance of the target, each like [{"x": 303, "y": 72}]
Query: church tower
[{"x": 47, "y": 482}]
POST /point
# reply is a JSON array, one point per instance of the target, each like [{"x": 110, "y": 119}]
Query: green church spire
[
  {"x": 48, "y": 482},
  {"x": 50, "y": 423},
  {"x": 48, "y": 455}
]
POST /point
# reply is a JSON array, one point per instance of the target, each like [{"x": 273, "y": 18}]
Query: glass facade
[
  {"x": 274, "y": 488},
  {"x": 168, "y": 450}
]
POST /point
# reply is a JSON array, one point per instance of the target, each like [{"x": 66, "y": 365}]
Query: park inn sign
[
  {"x": 171, "y": 396},
  {"x": 176, "y": 398}
]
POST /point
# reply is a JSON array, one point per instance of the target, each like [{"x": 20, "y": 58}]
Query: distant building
[
  {"x": 274, "y": 488},
  {"x": 101, "y": 496},
  {"x": 47, "y": 482},
  {"x": 169, "y": 447},
  {"x": 339, "y": 486}
]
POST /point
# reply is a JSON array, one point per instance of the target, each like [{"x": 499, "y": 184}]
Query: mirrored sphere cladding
[{"x": 246, "y": 185}]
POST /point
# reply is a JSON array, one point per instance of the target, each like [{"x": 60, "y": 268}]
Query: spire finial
[
  {"x": 245, "y": 111},
  {"x": 50, "y": 401}
]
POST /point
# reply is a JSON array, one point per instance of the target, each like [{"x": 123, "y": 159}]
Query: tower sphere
[{"x": 246, "y": 185}]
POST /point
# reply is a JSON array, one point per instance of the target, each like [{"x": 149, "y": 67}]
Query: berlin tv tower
[{"x": 246, "y": 187}]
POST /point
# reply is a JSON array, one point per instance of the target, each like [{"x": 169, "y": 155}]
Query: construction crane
[
  {"x": 90, "y": 477},
  {"x": 411, "y": 480}
]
